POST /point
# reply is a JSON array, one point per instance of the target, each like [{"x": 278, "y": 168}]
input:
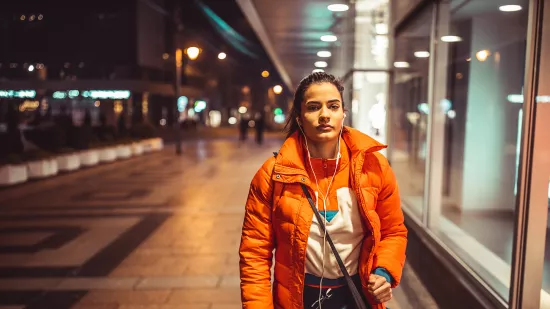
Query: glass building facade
[
  {"x": 468, "y": 125},
  {"x": 460, "y": 91}
]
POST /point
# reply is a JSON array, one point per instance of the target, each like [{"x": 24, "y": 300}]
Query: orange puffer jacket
[{"x": 278, "y": 217}]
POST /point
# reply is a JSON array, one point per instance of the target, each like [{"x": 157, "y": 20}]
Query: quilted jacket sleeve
[
  {"x": 390, "y": 253},
  {"x": 257, "y": 243}
]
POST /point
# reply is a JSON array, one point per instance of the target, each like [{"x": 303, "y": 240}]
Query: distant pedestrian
[
  {"x": 260, "y": 128},
  {"x": 243, "y": 129}
]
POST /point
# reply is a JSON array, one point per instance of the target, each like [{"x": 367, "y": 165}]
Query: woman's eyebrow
[{"x": 317, "y": 102}]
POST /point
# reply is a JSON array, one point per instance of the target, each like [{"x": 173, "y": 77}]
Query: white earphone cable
[{"x": 325, "y": 198}]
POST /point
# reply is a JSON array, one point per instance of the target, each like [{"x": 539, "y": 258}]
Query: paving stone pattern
[{"x": 158, "y": 231}]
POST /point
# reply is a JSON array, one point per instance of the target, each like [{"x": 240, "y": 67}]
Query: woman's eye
[
  {"x": 312, "y": 107},
  {"x": 335, "y": 107}
]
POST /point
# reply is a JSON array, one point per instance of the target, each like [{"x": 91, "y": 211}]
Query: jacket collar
[{"x": 290, "y": 159}]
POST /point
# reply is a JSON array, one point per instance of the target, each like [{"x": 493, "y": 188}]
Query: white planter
[
  {"x": 53, "y": 168},
  {"x": 68, "y": 162},
  {"x": 137, "y": 149},
  {"x": 13, "y": 174},
  {"x": 38, "y": 169},
  {"x": 157, "y": 143},
  {"x": 123, "y": 151},
  {"x": 107, "y": 154},
  {"x": 147, "y": 145},
  {"x": 89, "y": 157}
]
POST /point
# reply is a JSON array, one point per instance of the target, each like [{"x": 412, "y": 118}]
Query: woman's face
[{"x": 322, "y": 114}]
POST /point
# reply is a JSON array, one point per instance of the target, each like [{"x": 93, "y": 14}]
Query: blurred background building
[{"x": 118, "y": 57}]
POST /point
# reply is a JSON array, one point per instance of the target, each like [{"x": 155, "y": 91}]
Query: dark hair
[{"x": 313, "y": 78}]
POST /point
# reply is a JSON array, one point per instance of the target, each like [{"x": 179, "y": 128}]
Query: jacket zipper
[{"x": 360, "y": 195}]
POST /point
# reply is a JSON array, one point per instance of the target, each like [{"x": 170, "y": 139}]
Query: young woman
[{"x": 354, "y": 190}]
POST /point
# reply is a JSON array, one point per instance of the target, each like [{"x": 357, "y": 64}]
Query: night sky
[{"x": 83, "y": 30}]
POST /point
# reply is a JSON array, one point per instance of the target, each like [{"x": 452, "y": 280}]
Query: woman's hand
[{"x": 379, "y": 288}]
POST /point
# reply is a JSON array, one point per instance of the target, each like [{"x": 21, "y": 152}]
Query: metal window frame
[{"x": 534, "y": 169}]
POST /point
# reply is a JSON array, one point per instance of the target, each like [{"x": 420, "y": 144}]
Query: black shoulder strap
[
  {"x": 359, "y": 302},
  {"x": 277, "y": 187}
]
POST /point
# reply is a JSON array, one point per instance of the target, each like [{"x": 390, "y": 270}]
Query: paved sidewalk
[{"x": 152, "y": 232}]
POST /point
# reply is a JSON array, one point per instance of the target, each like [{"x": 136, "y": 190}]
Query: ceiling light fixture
[
  {"x": 321, "y": 64},
  {"x": 422, "y": 54},
  {"x": 329, "y": 38},
  {"x": 401, "y": 64},
  {"x": 338, "y": 7},
  {"x": 510, "y": 8},
  {"x": 317, "y": 71},
  {"x": 451, "y": 38},
  {"x": 324, "y": 54}
]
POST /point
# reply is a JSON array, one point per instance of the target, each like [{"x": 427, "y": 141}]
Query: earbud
[{"x": 344, "y": 115}]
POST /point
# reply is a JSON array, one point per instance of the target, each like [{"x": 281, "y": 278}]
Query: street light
[
  {"x": 179, "y": 65},
  {"x": 222, "y": 56},
  {"x": 193, "y": 52},
  {"x": 277, "y": 89}
]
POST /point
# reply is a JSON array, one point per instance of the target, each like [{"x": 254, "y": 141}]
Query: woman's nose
[{"x": 324, "y": 114}]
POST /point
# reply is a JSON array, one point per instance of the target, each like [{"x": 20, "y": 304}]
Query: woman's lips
[{"x": 324, "y": 127}]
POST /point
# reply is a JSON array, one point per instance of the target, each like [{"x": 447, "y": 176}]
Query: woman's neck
[{"x": 324, "y": 150}]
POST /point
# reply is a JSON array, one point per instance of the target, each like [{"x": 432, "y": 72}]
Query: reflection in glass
[
  {"x": 370, "y": 84},
  {"x": 481, "y": 134},
  {"x": 409, "y": 113},
  {"x": 369, "y": 104}
]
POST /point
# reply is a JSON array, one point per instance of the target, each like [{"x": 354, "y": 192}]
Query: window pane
[
  {"x": 370, "y": 82},
  {"x": 485, "y": 52},
  {"x": 368, "y": 105},
  {"x": 409, "y": 114},
  {"x": 371, "y": 35}
]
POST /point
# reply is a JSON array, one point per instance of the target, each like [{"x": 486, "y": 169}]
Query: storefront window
[
  {"x": 409, "y": 110},
  {"x": 369, "y": 104},
  {"x": 370, "y": 77},
  {"x": 479, "y": 67}
]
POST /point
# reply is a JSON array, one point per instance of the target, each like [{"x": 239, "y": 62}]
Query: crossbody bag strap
[{"x": 354, "y": 292}]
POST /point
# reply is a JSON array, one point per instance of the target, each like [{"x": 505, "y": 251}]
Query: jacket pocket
[{"x": 281, "y": 295}]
